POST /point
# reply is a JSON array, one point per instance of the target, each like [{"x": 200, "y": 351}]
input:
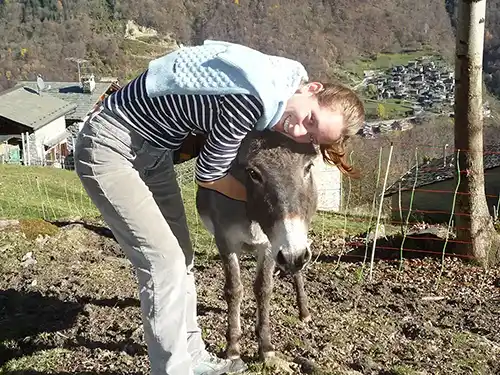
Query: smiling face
[{"x": 304, "y": 120}]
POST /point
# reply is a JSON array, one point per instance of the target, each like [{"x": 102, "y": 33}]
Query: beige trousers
[{"x": 134, "y": 186}]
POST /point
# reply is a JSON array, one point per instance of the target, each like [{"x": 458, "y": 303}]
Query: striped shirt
[{"x": 166, "y": 121}]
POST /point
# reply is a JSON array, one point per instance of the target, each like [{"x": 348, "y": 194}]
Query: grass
[
  {"x": 394, "y": 108},
  {"x": 44, "y": 361},
  {"x": 143, "y": 47},
  {"x": 34, "y": 193},
  {"x": 40, "y": 192},
  {"x": 384, "y": 61}
]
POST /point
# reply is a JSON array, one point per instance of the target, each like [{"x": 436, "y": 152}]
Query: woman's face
[{"x": 305, "y": 121}]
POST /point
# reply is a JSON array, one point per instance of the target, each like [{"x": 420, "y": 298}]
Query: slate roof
[
  {"x": 72, "y": 92},
  {"x": 26, "y": 107},
  {"x": 436, "y": 171}
]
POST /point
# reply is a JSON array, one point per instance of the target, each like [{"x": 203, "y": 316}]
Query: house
[
  {"x": 84, "y": 95},
  {"x": 435, "y": 188},
  {"x": 35, "y": 124}
]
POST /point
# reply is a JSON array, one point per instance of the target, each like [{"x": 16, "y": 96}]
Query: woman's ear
[{"x": 314, "y": 87}]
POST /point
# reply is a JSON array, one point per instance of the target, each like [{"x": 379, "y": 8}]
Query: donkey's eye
[{"x": 254, "y": 175}]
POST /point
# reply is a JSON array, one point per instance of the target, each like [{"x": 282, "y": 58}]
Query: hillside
[
  {"x": 70, "y": 303},
  {"x": 38, "y": 35}
]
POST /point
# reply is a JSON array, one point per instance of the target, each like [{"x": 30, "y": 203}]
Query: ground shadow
[
  {"x": 111, "y": 302},
  {"x": 70, "y": 89},
  {"x": 33, "y": 372},
  {"x": 26, "y": 315},
  {"x": 203, "y": 309},
  {"x": 415, "y": 246},
  {"x": 98, "y": 229}
]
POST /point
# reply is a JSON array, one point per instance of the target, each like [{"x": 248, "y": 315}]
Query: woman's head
[{"x": 326, "y": 114}]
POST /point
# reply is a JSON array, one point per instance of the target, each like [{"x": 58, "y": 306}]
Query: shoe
[{"x": 213, "y": 365}]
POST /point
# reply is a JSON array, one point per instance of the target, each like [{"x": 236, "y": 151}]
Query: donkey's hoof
[
  {"x": 267, "y": 355},
  {"x": 232, "y": 355},
  {"x": 306, "y": 319},
  {"x": 237, "y": 366}
]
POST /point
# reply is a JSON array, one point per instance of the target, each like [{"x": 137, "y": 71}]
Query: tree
[{"x": 475, "y": 231}]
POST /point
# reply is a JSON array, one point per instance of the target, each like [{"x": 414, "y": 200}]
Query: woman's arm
[
  {"x": 236, "y": 116},
  {"x": 227, "y": 185}
]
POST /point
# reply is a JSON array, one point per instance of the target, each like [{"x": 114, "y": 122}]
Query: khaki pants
[{"x": 134, "y": 186}]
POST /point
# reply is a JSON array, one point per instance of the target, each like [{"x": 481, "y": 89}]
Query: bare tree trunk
[{"x": 476, "y": 226}]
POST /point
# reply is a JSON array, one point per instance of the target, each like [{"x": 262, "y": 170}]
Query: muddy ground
[{"x": 72, "y": 308}]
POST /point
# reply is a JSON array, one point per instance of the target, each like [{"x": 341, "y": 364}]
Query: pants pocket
[{"x": 149, "y": 158}]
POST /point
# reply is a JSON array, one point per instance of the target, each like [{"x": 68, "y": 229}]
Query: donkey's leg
[
  {"x": 233, "y": 294},
  {"x": 263, "y": 287},
  {"x": 298, "y": 281}
]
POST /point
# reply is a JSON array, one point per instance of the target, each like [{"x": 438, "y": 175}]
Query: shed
[{"x": 435, "y": 188}]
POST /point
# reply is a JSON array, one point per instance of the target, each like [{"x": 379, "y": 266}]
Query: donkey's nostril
[
  {"x": 308, "y": 255},
  {"x": 303, "y": 259},
  {"x": 281, "y": 258}
]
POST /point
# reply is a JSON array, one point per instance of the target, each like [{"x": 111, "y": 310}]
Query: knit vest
[{"x": 218, "y": 67}]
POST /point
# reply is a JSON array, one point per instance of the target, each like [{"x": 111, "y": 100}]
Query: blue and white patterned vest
[{"x": 227, "y": 68}]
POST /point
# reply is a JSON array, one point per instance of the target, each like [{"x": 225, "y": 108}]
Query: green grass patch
[
  {"x": 392, "y": 108},
  {"x": 28, "y": 192},
  {"x": 34, "y": 194},
  {"x": 44, "y": 361},
  {"x": 336, "y": 224},
  {"x": 141, "y": 48},
  {"x": 32, "y": 228},
  {"x": 384, "y": 61}
]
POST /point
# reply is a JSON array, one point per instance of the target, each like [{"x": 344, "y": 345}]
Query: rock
[{"x": 4, "y": 224}]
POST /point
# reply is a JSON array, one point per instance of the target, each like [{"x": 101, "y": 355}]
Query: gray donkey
[{"x": 273, "y": 224}]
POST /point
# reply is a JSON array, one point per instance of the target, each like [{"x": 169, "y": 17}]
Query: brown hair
[{"x": 340, "y": 97}]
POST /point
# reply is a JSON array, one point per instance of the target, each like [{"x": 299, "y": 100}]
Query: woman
[{"x": 124, "y": 160}]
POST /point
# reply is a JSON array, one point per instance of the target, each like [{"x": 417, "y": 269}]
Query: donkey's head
[{"x": 281, "y": 194}]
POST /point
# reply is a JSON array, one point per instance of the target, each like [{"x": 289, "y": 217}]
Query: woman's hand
[{"x": 227, "y": 185}]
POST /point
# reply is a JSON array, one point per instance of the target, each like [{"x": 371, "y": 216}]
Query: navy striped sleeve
[{"x": 236, "y": 117}]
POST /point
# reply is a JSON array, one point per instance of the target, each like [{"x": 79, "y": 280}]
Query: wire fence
[{"x": 398, "y": 222}]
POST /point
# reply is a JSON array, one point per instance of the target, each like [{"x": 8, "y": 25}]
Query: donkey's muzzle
[{"x": 293, "y": 261}]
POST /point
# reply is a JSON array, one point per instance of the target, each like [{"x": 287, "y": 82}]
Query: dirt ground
[{"x": 68, "y": 305}]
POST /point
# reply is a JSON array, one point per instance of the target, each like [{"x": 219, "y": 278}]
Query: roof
[
  {"x": 57, "y": 139},
  {"x": 8, "y": 137},
  {"x": 26, "y": 107},
  {"x": 73, "y": 93},
  {"x": 440, "y": 169}
]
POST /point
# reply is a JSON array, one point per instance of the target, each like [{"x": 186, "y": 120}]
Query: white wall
[
  {"x": 46, "y": 133},
  {"x": 329, "y": 184}
]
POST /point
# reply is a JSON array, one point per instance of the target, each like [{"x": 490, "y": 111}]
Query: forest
[{"x": 37, "y": 36}]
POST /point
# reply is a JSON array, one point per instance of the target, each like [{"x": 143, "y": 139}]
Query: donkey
[{"x": 273, "y": 224}]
